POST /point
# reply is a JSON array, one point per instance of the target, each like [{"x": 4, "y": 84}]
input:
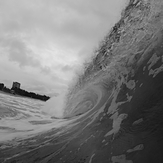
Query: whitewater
[
  {"x": 23, "y": 117},
  {"x": 113, "y": 113}
]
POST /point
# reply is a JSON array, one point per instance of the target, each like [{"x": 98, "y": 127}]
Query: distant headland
[{"x": 16, "y": 90}]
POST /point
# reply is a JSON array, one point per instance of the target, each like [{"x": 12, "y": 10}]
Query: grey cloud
[
  {"x": 45, "y": 89},
  {"x": 19, "y": 52},
  {"x": 46, "y": 70},
  {"x": 58, "y": 80},
  {"x": 68, "y": 22},
  {"x": 75, "y": 25},
  {"x": 42, "y": 87},
  {"x": 67, "y": 68}
]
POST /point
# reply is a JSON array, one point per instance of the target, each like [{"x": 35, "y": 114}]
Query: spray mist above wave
[{"x": 55, "y": 106}]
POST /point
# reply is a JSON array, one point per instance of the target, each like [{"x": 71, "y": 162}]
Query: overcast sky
[{"x": 44, "y": 42}]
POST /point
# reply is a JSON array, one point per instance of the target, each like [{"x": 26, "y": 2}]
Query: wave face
[{"x": 114, "y": 112}]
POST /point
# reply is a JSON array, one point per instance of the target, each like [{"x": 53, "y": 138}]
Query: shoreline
[{"x": 16, "y": 95}]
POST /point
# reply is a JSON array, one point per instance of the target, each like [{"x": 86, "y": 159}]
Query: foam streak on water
[{"x": 23, "y": 117}]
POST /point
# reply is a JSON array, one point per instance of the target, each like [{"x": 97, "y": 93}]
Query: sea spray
[{"x": 55, "y": 106}]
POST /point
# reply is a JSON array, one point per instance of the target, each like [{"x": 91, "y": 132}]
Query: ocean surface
[
  {"x": 23, "y": 117},
  {"x": 113, "y": 114}
]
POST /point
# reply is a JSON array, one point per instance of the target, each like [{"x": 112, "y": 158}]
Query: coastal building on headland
[
  {"x": 16, "y": 90},
  {"x": 16, "y": 85},
  {"x": 1, "y": 86}
]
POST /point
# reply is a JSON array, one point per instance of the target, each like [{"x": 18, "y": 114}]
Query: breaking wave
[
  {"x": 55, "y": 106},
  {"x": 114, "y": 111}
]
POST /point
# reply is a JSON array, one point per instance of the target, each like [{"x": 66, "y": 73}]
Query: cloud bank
[{"x": 43, "y": 43}]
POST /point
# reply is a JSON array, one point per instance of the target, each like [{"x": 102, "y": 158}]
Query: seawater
[{"x": 24, "y": 117}]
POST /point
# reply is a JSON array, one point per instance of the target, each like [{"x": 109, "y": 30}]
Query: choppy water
[{"x": 23, "y": 117}]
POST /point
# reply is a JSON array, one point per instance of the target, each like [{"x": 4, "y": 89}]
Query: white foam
[{"x": 55, "y": 106}]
